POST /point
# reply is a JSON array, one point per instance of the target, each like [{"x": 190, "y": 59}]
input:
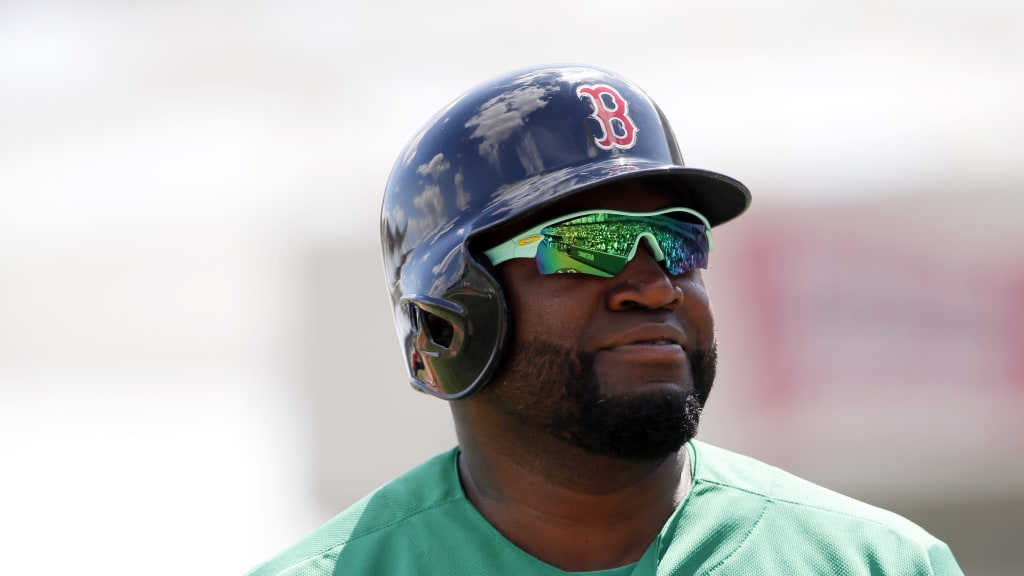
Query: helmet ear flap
[
  {"x": 433, "y": 337},
  {"x": 454, "y": 342},
  {"x": 437, "y": 333},
  {"x": 438, "y": 324}
]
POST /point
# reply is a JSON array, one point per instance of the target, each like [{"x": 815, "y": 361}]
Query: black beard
[{"x": 556, "y": 391}]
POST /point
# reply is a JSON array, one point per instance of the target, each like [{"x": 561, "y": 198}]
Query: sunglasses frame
[{"x": 525, "y": 244}]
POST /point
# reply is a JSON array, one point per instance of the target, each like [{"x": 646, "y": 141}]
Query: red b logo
[{"x": 612, "y": 111}]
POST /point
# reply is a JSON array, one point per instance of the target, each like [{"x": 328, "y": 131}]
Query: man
[{"x": 544, "y": 244}]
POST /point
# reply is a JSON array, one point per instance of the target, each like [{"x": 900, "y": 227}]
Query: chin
[
  {"x": 639, "y": 427},
  {"x": 564, "y": 394}
]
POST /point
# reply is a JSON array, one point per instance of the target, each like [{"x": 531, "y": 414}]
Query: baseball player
[{"x": 543, "y": 243}]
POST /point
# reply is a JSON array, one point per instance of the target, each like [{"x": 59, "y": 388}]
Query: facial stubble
[{"x": 555, "y": 392}]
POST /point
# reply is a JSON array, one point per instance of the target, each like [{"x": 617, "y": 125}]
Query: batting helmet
[{"x": 500, "y": 152}]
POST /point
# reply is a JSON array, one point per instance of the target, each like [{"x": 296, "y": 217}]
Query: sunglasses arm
[{"x": 517, "y": 247}]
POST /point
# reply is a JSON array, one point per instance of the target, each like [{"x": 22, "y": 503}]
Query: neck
[{"x": 569, "y": 508}]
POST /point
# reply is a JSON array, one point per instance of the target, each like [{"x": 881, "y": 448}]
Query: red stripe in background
[
  {"x": 1013, "y": 340},
  {"x": 764, "y": 288}
]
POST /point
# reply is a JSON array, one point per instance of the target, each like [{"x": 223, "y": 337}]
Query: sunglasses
[{"x": 602, "y": 242}]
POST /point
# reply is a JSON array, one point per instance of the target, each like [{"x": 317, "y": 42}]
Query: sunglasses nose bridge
[{"x": 652, "y": 245}]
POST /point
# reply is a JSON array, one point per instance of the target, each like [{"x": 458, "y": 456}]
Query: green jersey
[{"x": 740, "y": 517}]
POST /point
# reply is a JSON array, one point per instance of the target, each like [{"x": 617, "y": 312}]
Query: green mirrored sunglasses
[{"x": 602, "y": 242}]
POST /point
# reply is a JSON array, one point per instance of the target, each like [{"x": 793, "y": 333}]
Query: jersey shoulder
[
  {"x": 427, "y": 487},
  {"x": 806, "y": 515},
  {"x": 734, "y": 471}
]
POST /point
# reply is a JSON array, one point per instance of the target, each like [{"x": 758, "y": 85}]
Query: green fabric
[{"x": 740, "y": 517}]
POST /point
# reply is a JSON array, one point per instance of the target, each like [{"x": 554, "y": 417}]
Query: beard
[{"x": 556, "y": 392}]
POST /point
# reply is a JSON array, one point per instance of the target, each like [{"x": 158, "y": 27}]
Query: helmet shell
[{"x": 502, "y": 151}]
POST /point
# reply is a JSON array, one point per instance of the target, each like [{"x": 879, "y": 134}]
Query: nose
[{"x": 644, "y": 283}]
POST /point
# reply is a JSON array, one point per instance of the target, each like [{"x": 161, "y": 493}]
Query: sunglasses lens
[
  {"x": 685, "y": 247},
  {"x": 602, "y": 244},
  {"x": 563, "y": 258}
]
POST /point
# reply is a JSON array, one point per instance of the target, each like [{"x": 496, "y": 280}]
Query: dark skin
[{"x": 568, "y": 506}]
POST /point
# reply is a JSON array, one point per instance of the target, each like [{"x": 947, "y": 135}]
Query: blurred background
[{"x": 197, "y": 361}]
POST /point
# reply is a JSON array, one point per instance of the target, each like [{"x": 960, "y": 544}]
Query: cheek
[
  {"x": 544, "y": 307},
  {"x": 550, "y": 313},
  {"x": 697, "y": 309}
]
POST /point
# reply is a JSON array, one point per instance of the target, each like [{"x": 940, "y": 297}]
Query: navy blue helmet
[{"x": 503, "y": 151}]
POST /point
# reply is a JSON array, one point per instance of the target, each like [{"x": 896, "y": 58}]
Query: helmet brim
[{"x": 718, "y": 197}]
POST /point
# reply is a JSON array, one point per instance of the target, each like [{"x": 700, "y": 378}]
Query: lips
[
  {"x": 652, "y": 354},
  {"x": 659, "y": 343},
  {"x": 655, "y": 336}
]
